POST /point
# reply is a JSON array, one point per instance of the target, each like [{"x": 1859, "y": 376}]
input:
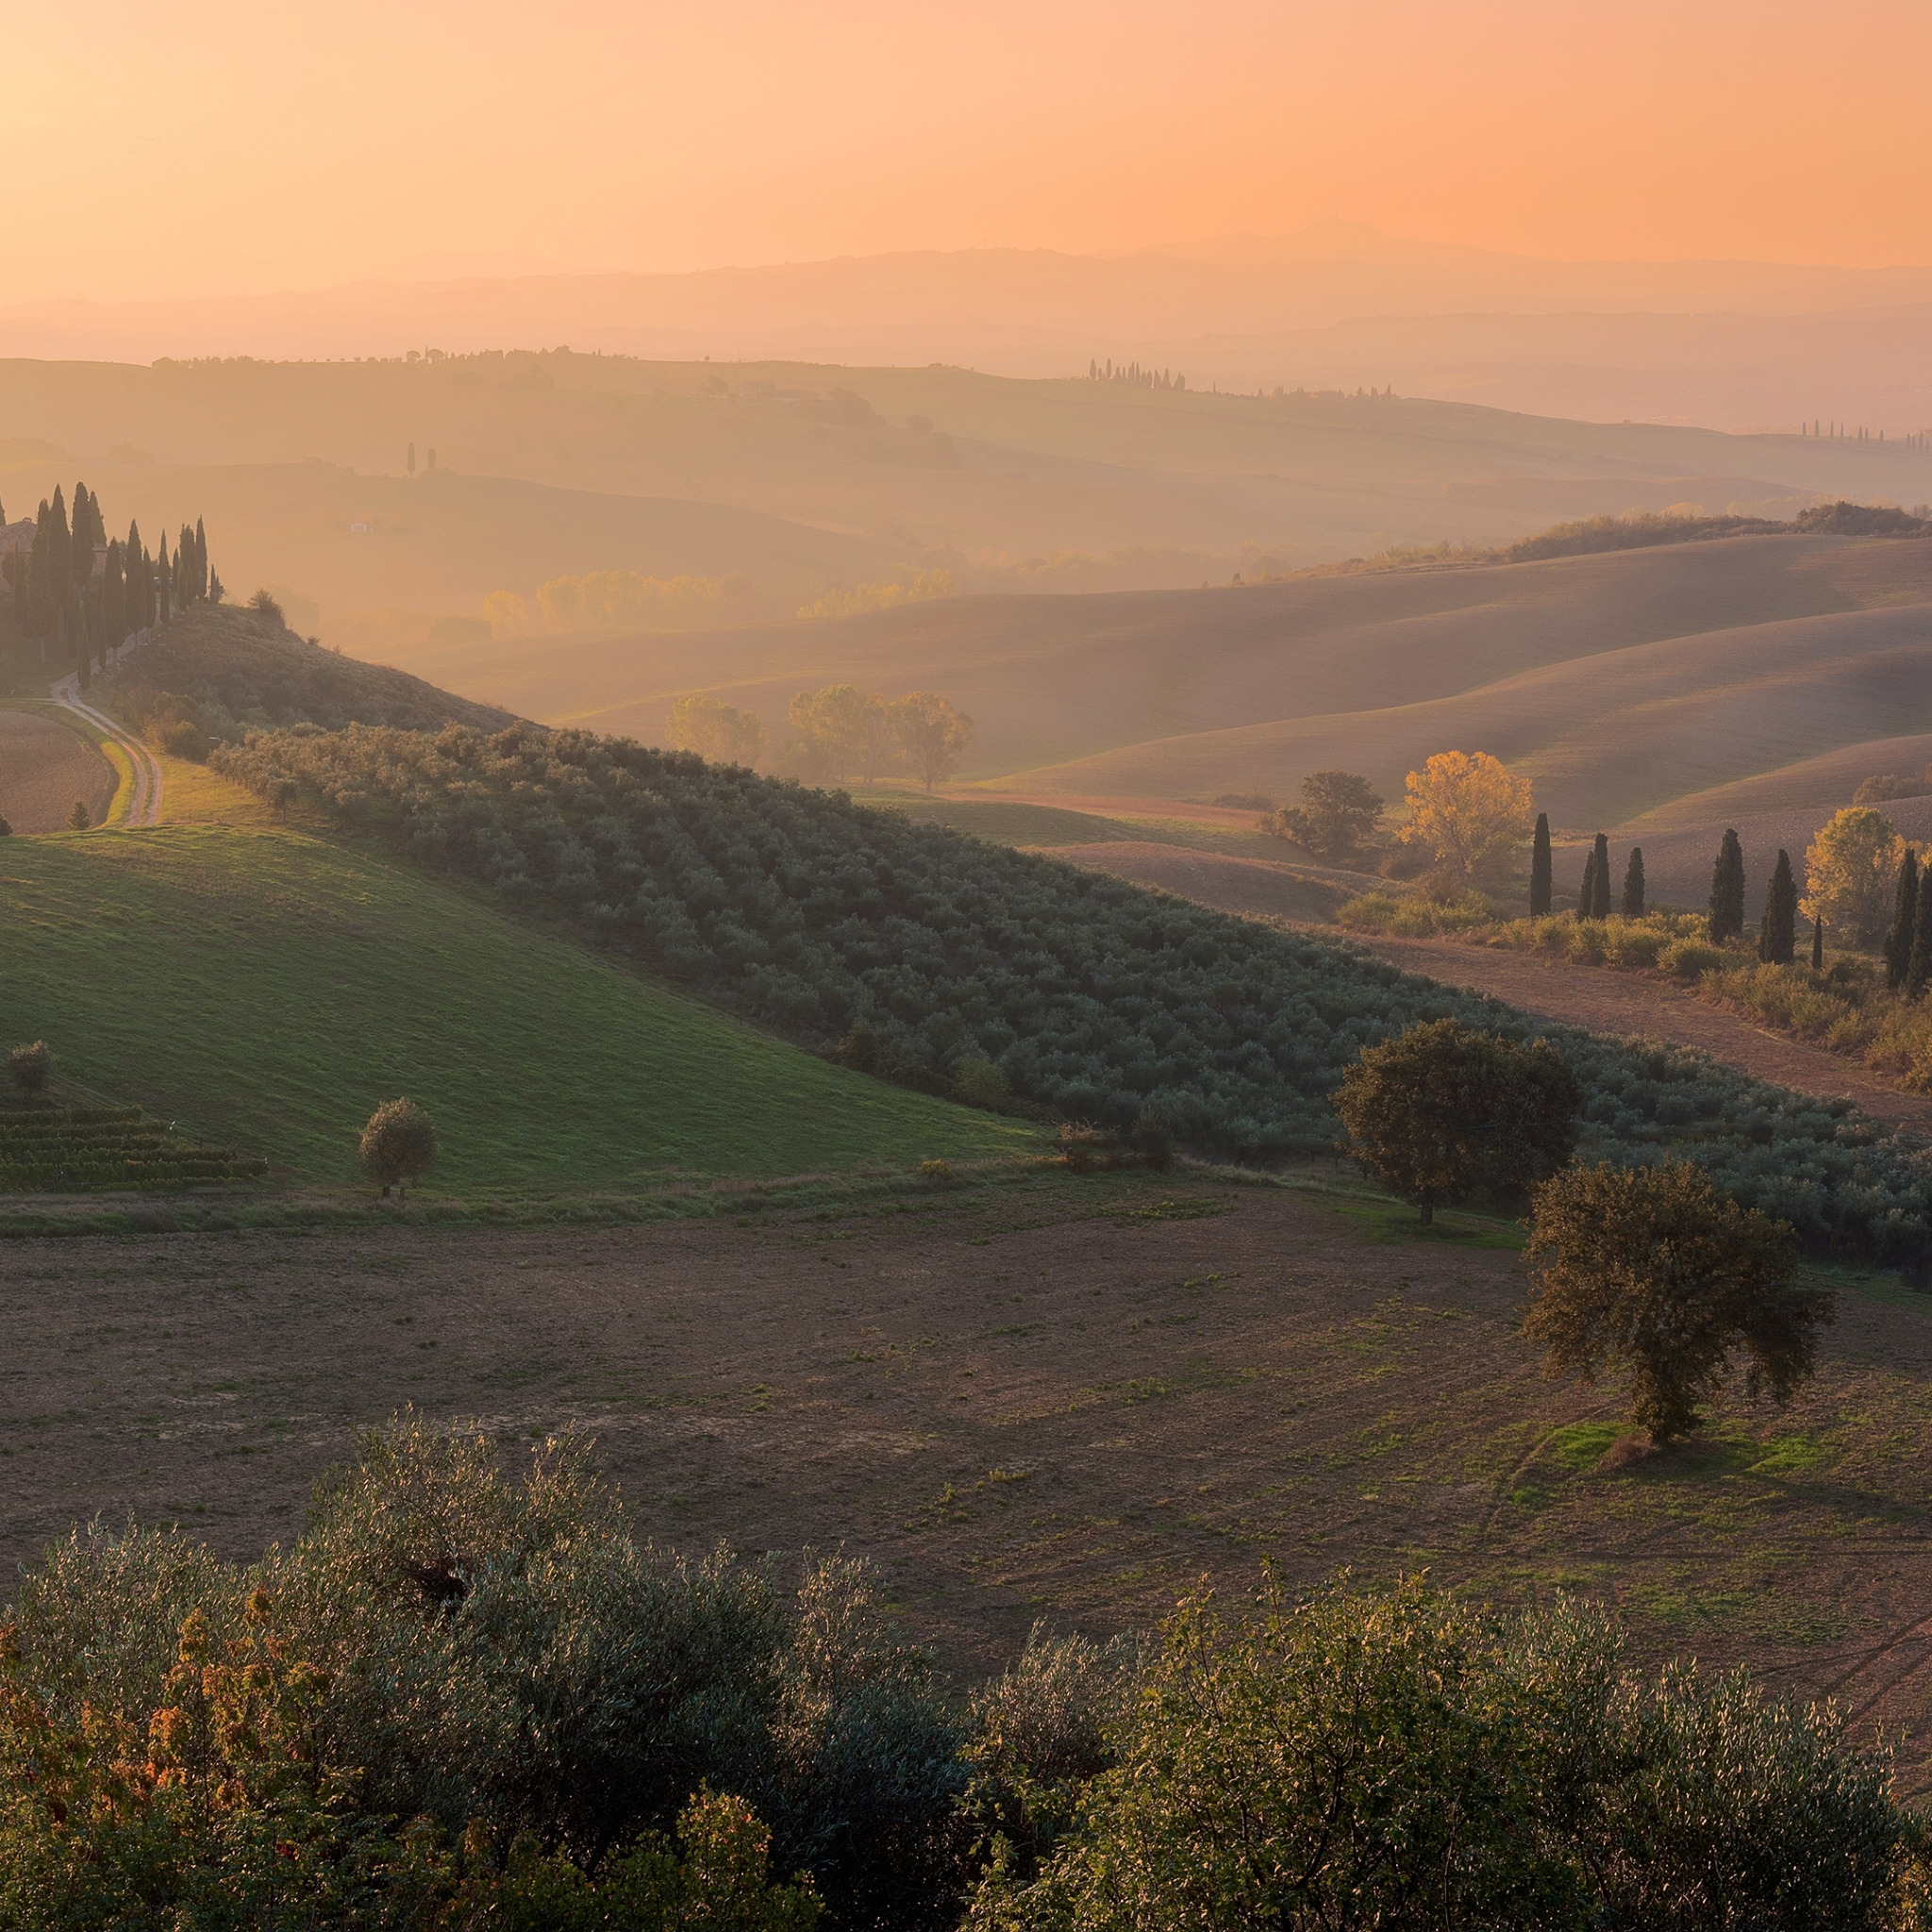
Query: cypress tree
[
  {"x": 1633, "y": 883},
  {"x": 1727, "y": 890},
  {"x": 1918, "y": 959},
  {"x": 1905, "y": 911},
  {"x": 80, "y": 555},
  {"x": 1600, "y": 880},
  {"x": 1539, "y": 868},
  {"x": 59, "y": 546},
  {"x": 1778, "y": 934},
  {"x": 200, "y": 559},
  {"x": 1817, "y": 942},
  {"x": 163, "y": 579},
  {"x": 1586, "y": 896}
]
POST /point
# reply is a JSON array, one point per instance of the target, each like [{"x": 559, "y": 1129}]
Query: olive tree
[
  {"x": 32, "y": 1067},
  {"x": 399, "y": 1145},
  {"x": 1652, "y": 1272},
  {"x": 1443, "y": 1109}
]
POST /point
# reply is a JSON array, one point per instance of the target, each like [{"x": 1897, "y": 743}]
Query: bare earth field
[
  {"x": 1607, "y": 1001},
  {"x": 43, "y": 768},
  {"x": 1246, "y": 885},
  {"x": 1068, "y": 1400}
]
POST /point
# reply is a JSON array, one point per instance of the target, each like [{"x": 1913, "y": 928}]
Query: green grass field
[{"x": 268, "y": 988}]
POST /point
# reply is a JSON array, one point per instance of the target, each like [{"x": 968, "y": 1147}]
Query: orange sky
[{"x": 213, "y": 146}]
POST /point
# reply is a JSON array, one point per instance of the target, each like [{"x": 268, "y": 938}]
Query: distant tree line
[
  {"x": 1132, "y": 373},
  {"x": 78, "y": 594},
  {"x": 845, "y": 928}
]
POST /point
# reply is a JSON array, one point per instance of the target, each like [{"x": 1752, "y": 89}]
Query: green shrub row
[{"x": 1094, "y": 999}]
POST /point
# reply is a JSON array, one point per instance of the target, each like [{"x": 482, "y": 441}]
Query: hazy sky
[{"x": 221, "y": 146}]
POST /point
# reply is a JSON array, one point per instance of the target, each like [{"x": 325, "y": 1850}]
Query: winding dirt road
[
  {"x": 144, "y": 807},
  {"x": 1607, "y": 1001}
]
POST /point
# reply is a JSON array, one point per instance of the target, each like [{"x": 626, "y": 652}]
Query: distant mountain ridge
[{"x": 1728, "y": 344}]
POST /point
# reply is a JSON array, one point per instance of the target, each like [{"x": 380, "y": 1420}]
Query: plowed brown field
[
  {"x": 1068, "y": 1401},
  {"x": 44, "y": 768}
]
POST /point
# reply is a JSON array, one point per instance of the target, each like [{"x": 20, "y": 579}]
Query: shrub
[
  {"x": 1689, "y": 958},
  {"x": 982, "y": 1082},
  {"x": 32, "y": 1068},
  {"x": 265, "y": 606},
  {"x": 182, "y": 737},
  {"x": 1629, "y": 943},
  {"x": 77, "y": 819},
  {"x": 1443, "y": 1109},
  {"x": 399, "y": 1145},
  {"x": 1650, "y": 1269},
  {"x": 935, "y": 1170},
  {"x": 1390, "y": 1758}
]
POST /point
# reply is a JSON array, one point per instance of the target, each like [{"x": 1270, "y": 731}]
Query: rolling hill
[
  {"x": 1618, "y": 682},
  {"x": 268, "y": 988},
  {"x": 778, "y": 471}
]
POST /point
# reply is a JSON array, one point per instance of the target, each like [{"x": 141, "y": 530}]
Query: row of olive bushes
[
  {"x": 936, "y": 953},
  {"x": 460, "y": 1703}
]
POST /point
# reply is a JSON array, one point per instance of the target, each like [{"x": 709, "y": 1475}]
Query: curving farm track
[{"x": 144, "y": 807}]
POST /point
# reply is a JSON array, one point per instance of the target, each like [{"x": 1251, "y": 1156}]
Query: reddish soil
[
  {"x": 45, "y": 767},
  {"x": 1251, "y": 887},
  {"x": 1068, "y": 1402},
  {"x": 1605, "y": 1000}
]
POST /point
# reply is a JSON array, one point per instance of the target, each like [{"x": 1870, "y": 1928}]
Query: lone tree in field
[
  {"x": 77, "y": 820},
  {"x": 1651, "y": 1271},
  {"x": 1727, "y": 890},
  {"x": 1470, "y": 814},
  {"x": 933, "y": 733},
  {"x": 1633, "y": 883},
  {"x": 1443, "y": 1109},
  {"x": 32, "y": 1067},
  {"x": 1778, "y": 934},
  {"x": 399, "y": 1145},
  {"x": 1339, "y": 809},
  {"x": 1539, "y": 868}
]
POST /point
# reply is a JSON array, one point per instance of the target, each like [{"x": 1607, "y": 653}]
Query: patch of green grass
[
  {"x": 1583, "y": 1446},
  {"x": 267, "y": 989},
  {"x": 1796, "y": 1453},
  {"x": 1383, "y": 1220}
]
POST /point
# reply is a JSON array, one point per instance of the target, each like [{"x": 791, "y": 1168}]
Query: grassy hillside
[
  {"x": 937, "y": 959},
  {"x": 268, "y": 988}
]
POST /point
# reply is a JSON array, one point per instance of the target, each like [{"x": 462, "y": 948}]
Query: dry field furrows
[
  {"x": 1250, "y": 887},
  {"x": 44, "y": 768},
  {"x": 1067, "y": 1403}
]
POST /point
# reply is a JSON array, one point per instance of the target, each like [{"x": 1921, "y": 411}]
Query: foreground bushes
[
  {"x": 1093, "y": 1000},
  {"x": 458, "y": 1702},
  {"x": 1397, "y": 1760}
]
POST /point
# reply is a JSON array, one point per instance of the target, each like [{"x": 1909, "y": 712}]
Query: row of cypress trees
[
  {"x": 1909, "y": 943},
  {"x": 1593, "y": 899},
  {"x": 83, "y": 592},
  {"x": 1777, "y": 930}
]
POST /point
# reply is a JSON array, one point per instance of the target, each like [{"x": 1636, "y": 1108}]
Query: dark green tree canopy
[
  {"x": 1339, "y": 811},
  {"x": 1651, "y": 1271},
  {"x": 1778, "y": 934},
  {"x": 1444, "y": 1109},
  {"x": 1727, "y": 890}
]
